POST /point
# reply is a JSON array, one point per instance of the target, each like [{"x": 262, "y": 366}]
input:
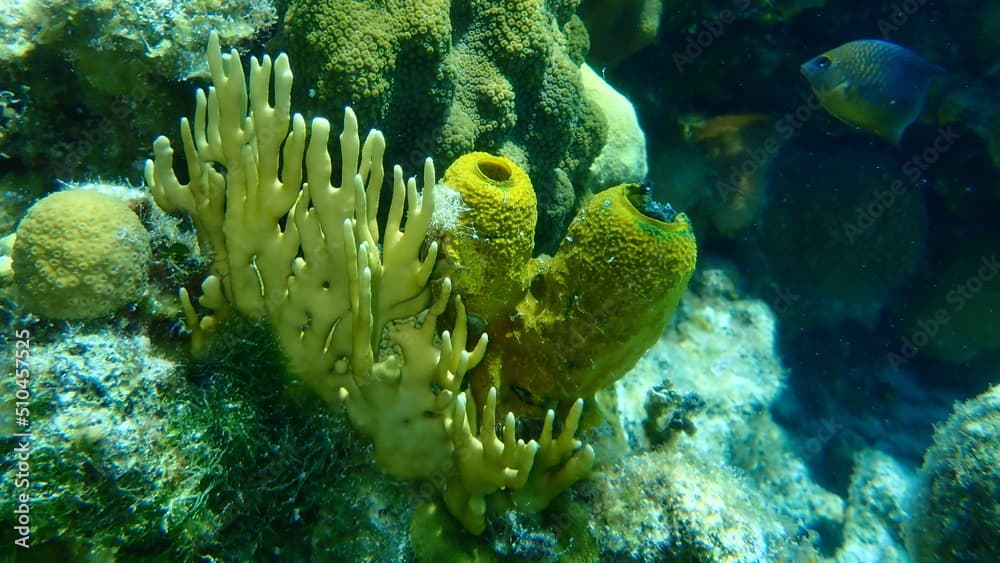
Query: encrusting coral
[
  {"x": 457, "y": 77},
  {"x": 356, "y": 318}
]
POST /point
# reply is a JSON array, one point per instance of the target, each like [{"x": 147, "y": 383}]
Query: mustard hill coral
[
  {"x": 457, "y": 77},
  {"x": 80, "y": 254},
  {"x": 355, "y": 317},
  {"x": 619, "y": 28}
]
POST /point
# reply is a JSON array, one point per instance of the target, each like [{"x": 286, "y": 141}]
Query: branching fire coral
[{"x": 356, "y": 318}]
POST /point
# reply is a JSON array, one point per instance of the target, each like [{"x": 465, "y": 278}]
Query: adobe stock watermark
[
  {"x": 957, "y": 298},
  {"x": 709, "y": 31},
  {"x": 914, "y": 169},
  {"x": 756, "y": 158},
  {"x": 899, "y": 17},
  {"x": 825, "y": 432},
  {"x": 783, "y": 300},
  {"x": 22, "y": 453}
]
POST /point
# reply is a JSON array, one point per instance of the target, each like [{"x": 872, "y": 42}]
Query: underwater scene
[{"x": 490, "y": 281}]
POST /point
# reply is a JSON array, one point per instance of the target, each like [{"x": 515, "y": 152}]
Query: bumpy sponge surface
[
  {"x": 487, "y": 253},
  {"x": 595, "y": 307},
  {"x": 80, "y": 254}
]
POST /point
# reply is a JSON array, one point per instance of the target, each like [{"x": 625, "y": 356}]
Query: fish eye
[{"x": 823, "y": 61}]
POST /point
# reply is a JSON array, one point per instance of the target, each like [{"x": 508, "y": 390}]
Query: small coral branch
[{"x": 484, "y": 463}]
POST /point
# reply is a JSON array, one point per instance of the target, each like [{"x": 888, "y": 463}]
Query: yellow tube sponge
[
  {"x": 80, "y": 254},
  {"x": 594, "y": 308},
  {"x": 488, "y": 248}
]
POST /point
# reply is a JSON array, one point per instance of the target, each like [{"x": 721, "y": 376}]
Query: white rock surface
[{"x": 623, "y": 158}]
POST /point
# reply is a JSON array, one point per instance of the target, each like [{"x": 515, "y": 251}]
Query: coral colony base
[{"x": 356, "y": 319}]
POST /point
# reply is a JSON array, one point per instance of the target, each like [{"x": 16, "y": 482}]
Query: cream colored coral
[
  {"x": 80, "y": 254},
  {"x": 534, "y": 472},
  {"x": 357, "y": 319},
  {"x": 561, "y": 461},
  {"x": 484, "y": 463}
]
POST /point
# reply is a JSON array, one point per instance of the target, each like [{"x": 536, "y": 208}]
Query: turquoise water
[{"x": 247, "y": 338}]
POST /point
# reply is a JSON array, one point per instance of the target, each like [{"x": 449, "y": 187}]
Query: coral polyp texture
[
  {"x": 458, "y": 77},
  {"x": 80, "y": 254},
  {"x": 355, "y": 315}
]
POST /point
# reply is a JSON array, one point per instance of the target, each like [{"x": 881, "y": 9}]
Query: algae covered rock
[
  {"x": 80, "y": 254},
  {"x": 875, "y": 512},
  {"x": 85, "y": 72},
  {"x": 956, "y": 510},
  {"x": 134, "y": 457},
  {"x": 736, "y": 487},
  {"x": 110, "y": 472},
  {"x": 166, "y": 36}
]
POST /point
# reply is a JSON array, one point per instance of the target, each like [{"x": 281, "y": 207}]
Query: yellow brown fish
[{"x": 872, "y": 85}]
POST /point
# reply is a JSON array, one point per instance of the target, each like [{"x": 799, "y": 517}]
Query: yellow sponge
[
  {"x": 486, "y": 253},
  {"x": 595, "y": 307}
]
